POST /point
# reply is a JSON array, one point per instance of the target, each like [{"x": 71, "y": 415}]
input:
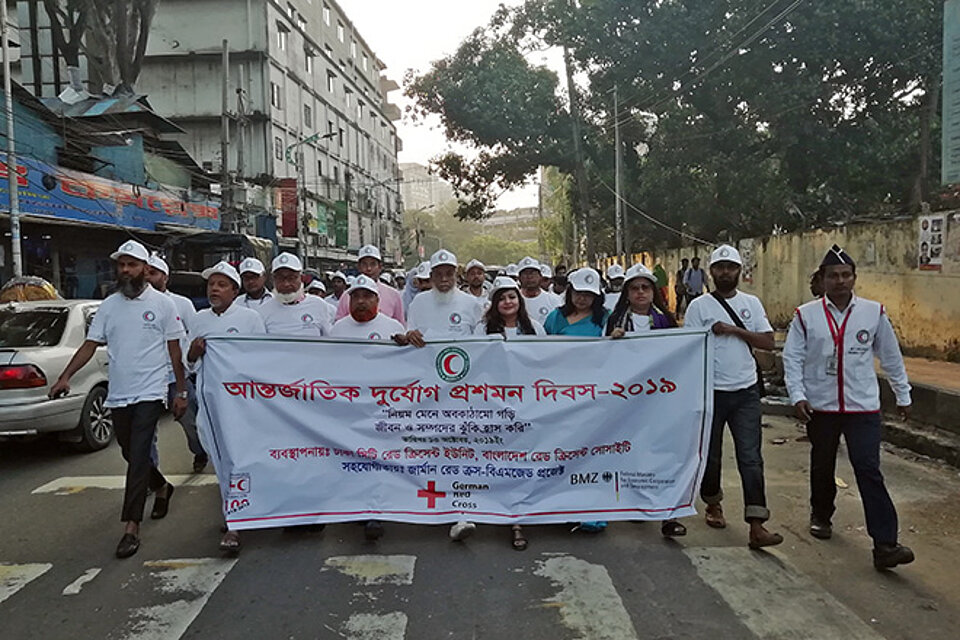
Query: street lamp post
[
  {"x": 12, "y": 175},
  {"x": 301, "y": 180}
]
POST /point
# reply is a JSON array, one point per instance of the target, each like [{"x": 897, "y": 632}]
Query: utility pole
[
  {"x": 618, "y": 187},
  {"x": 12, "y": 175},
  {"x": 241, "y": 122},
  {"x": 581, "y": 170},
  {"x": 226, "y": 213}
]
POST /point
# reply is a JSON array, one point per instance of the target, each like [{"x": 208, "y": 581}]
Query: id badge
[{"x": 832, "y": 363}]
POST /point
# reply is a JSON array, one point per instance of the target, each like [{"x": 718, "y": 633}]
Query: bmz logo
[
  {"x": 149, "y": 316},
  {"x": 863, "y": 337},
  {"x": 453, "y": 364}
]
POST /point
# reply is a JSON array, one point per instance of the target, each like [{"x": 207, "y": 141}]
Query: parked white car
[{"x": 37, "y": 339}]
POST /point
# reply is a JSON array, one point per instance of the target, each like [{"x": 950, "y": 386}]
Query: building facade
[
  {"x": 422, "y": 190},
  {"x": 312, "y": 130}
]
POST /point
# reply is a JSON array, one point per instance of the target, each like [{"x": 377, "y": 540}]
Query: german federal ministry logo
[{"x": 453, "y": 364}]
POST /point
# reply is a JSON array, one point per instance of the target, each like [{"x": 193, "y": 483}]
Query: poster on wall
[{"x": 932, "y": 232}]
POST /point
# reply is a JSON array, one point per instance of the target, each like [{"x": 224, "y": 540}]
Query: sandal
[
  {"x": 519, "y": 542},
  {"x": 672, "y": 529},
  {"x": 714, "y": 516},
  {"x": 230, "y": 543}
]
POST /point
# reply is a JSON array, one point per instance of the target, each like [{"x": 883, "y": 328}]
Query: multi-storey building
[
  {"x": 317, "y": 131},
  {"x": 422, "y": 190}
]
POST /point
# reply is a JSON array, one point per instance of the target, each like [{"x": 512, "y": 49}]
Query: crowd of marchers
[{"x": 156, "y": 343}]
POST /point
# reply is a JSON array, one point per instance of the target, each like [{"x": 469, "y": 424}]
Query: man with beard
[
  {"x": 370, "y": 264},
  {"x": 476, "y": 284},
  {"x": 559, "y": 287},
  {"x": 828, "y": 364},
  {"x": 539, "y": 303},
  {"x": 740, "y": 324},
  {"x": 443, "y": 312},
  {"x": 615, "y": 277},
  {"x": 365, "y": 320},
  {"x": 254, "y": 279},
  {"x": 142, "y": 331},
  {"x": 222, "y": 318},
  {"x": 157, "y": 276},
  {"x": 290, "y": 311}
]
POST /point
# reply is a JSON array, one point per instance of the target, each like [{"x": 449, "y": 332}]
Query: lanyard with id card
[{"x": 837, "y": 333}]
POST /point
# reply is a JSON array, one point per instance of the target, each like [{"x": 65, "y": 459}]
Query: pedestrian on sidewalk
[
  {"x": 142, "y": 331},
  {"x": 828, "y": 363},
  {"x": 695, "y": 281},
  {"x": 740, "y": 324},
  {"x": 680, "y": 289}
]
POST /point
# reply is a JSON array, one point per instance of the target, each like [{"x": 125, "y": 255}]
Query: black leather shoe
[
  {"x": 820, "y": 529},
  {"x": 129, "y": 544},
  {"x": 200, "y": 463},
  {"x": 162, "y": 505},
  {"x": 887, "y": 556}
]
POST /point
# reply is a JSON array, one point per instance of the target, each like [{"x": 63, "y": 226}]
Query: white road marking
[
  {"x": 74, "y": 587},
  {"x": 70, "y": 485},
  {"x": 14, "y": 577},
  {"x": 773, "y": 599},
  {"x": 589, "y": 603},
  {"x": 193, "y": 580},
  {"x": 375, "y": 570},
  {"x": 382, "y": 626}
]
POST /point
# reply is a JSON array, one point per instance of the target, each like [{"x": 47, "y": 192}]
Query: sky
[{"x": 410, "y": 34}]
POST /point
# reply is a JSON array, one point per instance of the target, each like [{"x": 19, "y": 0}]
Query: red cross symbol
[{"x": 431, "y": 494}]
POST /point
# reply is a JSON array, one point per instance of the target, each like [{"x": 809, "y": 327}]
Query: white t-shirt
[
  {"x": 136, "y": 332},
  {"x": 187, "y": 314},
  {"x": 511, "y": 332},
  {"x": 610, "y": 299},
  {"x": 457, "y": 314},
  {"x": 254, "y": 303},
  {"x": 733, "y": 366},
  {"x": 237, "y": 319},
  {"x": 539, "y": 307},
  {"x": 380, "y": 328},
  {"x": 641, "y": 324},
  {"x": 310, "y": 317}
]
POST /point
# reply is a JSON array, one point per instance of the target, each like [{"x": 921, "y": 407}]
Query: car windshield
[{"x": 33, "y": 327}]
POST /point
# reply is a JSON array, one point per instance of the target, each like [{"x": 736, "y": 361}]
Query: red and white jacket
[{"x": 857, "y": 335}]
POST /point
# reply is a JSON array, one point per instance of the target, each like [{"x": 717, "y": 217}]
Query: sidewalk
[{"x": 933, "y": 373}]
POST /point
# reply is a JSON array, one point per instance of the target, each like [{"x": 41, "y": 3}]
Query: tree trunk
[{"x": 928, "y": 111}]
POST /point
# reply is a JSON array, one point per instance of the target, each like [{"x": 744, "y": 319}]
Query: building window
[
  {"x": 282, "y": 34},
  {"x": 278, "y": 148},
  {"x": 275, "y": 95},
  {"x": 340, "y": 31},
  {"x": 319, "y": 168},
  {"x": 349, "y": 97},
  {"x": 301, "y": 22},
  {"x": 353, "y": 48},
  {"x": 359, "y": 111},
  {"x": 329, "y": 126},
  {"x": 308, "y": 55},
  {"x": 291, "y": 10},
  {"x": 336, "y": 175},
  {"x": 326, "y": 14},
  {"x": 331, "y": 81},
  {"x": 340, "y": 137},
  {"x": 307, "y": 116},
  {"x": 365, "y": 61}
]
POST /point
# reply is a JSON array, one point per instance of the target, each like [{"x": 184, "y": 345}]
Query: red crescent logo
[
  {"x": 242, "y": 485},
  {"x": 446, "y": 364}
]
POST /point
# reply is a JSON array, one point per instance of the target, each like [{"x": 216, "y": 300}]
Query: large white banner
[{"x": 526, "y": 431}]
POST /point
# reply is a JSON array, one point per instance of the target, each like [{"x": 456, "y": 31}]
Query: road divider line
[
  {"x": 74, "y": 587},
  {"x": 371, "y": 570},
  {"x": 773, "y": 599},
  {"x": 70, "y": 485},
  {"x": 587, "y": 600},
  {"x": 14, "y": 577}
]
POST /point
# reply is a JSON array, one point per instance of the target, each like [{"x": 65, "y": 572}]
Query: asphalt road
[{"x": 58, "y": 577}]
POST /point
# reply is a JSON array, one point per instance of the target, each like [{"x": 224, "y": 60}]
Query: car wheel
[{"x": 96, "y": 425}]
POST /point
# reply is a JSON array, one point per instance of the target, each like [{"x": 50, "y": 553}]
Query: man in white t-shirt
[
  {"x": 365, "y": 320},
  {"x": 370, "y": 264},
  {"x": 475, "y": 277},
  {"x": 290, "y": 311},
  {"x": 253, "y": 277},
  {"x": 142, "y": 331},
  {"x": 158, "y": 274},
  {"x": 539, "y": 303},
  {"x": 444, "y": 311},
  {"x": 736, "y": 398},
  {"x": 615, "y": 278}
]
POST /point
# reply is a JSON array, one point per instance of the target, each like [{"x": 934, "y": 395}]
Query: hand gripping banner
[{"x": 522, "y": 431}]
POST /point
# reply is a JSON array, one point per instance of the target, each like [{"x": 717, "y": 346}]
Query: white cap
[
  {"x": 528, "y": 263},
  {"x": 287, "y": 261},
  {"x": 251, "y": 265},
  {"x": 133, "y": 249},
  {"x": 317, "y": 285},
  {"x": 423, "y": 271},
  {"x": 338, "y": 274},
  {"x": 546, "y": 271},
  {"x": 442, "y": 257},
  {"x": 224, "y": 268},
  {"x": 640, "y": 271},
  {"x": 364, "y": 282},
  {"x": 725, "y": 253},
  {"x": 387, "y": 277},
  {"x": 474, "y": 263},
  {"x": 369, "y": 251},
  {"x": 585, "y": 279},
  {"x": 503, "y": 282},
  {"x": 615, "y": 271},
  {"x": 512, "y": 270},
  {"x": 351, "y": 280},
  {"x": 158, "y": 263}
]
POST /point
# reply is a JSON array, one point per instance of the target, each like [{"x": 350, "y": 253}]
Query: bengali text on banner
[{"x": 520, "y": 431}]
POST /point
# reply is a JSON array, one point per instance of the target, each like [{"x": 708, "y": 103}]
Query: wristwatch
[{"x": 183, "y": 395}]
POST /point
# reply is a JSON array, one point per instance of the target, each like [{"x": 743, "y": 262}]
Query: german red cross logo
[{"x": 431, "y": 494}]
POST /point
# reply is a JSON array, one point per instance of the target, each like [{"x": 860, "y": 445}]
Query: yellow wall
[{"x": 923, "y": 305}]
